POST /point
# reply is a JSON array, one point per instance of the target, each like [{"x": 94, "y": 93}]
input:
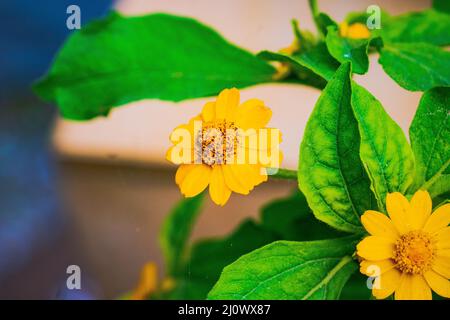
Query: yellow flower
[
  {"x": 148, "y": 283},
  {"x": 226, "y": 147},
  {"x": 410, "y": 252},
  {"x": 356, "y": 30}
]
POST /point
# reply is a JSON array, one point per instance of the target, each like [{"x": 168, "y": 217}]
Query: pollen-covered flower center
[
  {"x": 414, "y": 252},
  {"x": 217, "y": 143}
]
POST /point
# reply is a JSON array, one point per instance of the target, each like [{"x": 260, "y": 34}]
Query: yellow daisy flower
[
  {"x": 356, "y": 30},
  {"x": 410, "y": 250},
  {"x": 226, "y": 147}
]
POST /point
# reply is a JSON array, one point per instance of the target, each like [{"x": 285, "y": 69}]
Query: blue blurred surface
[{"x": 31, "y": 33}]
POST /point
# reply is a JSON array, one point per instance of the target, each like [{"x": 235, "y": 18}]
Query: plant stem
[
  {"x": 314, "y": 8},
  {"x": 284, "y": 174},
  {"x": 315, "y": 12}
]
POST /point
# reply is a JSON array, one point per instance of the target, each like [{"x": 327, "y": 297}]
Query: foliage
[{"x": 352, "y": 154}]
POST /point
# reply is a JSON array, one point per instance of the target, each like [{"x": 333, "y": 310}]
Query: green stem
[
  {"x": 314, "y": 8},
  {"x": 284, "y": 174},
  {"x": 315, "y": 12}
]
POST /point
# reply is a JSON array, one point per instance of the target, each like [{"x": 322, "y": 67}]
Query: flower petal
[
  {"x": 413, "y": 287},
  {"x": 209, "y": 112},
  {"x": 196, "y": 180},
  {"x": 218, "y": 189},
  {"x": 369, "y": 268},
  {"x": 182, "y": 172},
  {"x": 226, "y": 104},
  {"x": 420, "y": 209},
  {"x": 148, "y": 282},
  {"x": 378, "y": 224},
  {"x": 398, "y": 209},
  {"x": 236, "y": 178},
  {"x": 375, "y": 248},
  {"x": 439, "y": 219},
  {"x": 439, "y": 284},
  {"x": 443, "y": 238},
  {"x": 441, "y": 265},
  {"x": 388, "y": 283},
  {"x": 253, "y": 114}
]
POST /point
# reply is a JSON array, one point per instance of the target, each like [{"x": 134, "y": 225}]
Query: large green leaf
[
  {"x": 346, "y": 49},
  {"x": 416, "y": 66},
  {"x": 442, "y": 5},
  {"x": 317, "y": 59},
  {"x": 330, "y": 172},
  {"x": 119, "y": 59},
  {"x": 292, "y": 219},
  {"x": 283, "y": 219},
  {"x": 429, "y": 26},
  {"x": 289, "y": 270},
  {"x": 175, "y": 232},
  {"x": 430, "y": 141},
  {"x": 384, "y": 150}
]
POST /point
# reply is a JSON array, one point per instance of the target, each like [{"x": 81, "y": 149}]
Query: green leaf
[
  {"x": 428, "y": 26},
  {"x": 324, "y": 21},
  {"x": 209, "y": 257},
  {"x": 356, "y": 288},
  {"x": 384, "y": 150},
  {"x": 430, "y": 141},
  {"x": 175, "y": 232},
  {"x": 416, "y": 66},
  {"x": 442, "y": 5},
  {"x": 292, "y": 219},
  {"x": 289, "y": 270},
  {"x": 346, "y": 49},
  {"x": 119, "y": 59},
  {"x": 330, "y": 172},
  {"x": 287, "y": 219},
  {"x": 317, "y": 59}
]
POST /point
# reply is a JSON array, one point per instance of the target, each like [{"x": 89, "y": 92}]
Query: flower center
[
  {"x": 414, "y": 252},
  {"x": 217, "y": 143}
]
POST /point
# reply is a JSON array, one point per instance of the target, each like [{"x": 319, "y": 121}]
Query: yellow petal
[
  {"x": 413, "y": 287},
  {"x": 226, "y": 104},
  {"x": 420, "y": 209},
  {"x": 218, "y": 189},
  {"x": 358, "y": 31},
  {"x": 259, "y": 174},
  {"x": 148, "y": 282},
  {"x": 371, "y": 268},
  {"x": 375, "y": 248},
  {"x": 378, "y": 224},
  {"x": 186, "y": 126},
  {"x": 398, "y": 209},
  {"x": 443, "y": 238},
  {"x": 439, "y": 284},
  {"x": 209, "y": 112},
  {"x": 439, "y": 219},
  {"x": 253, "y": 114},
  {"x": 388, "y": 283},
  {"x": 196, "y": 180},
  {"x": 441, "y": 265},
  {"x": 236, "y": 178},
  {"x": 182, "y": 172}
]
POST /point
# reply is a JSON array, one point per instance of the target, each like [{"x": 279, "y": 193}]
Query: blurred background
[{"x": 94, "y": 194}]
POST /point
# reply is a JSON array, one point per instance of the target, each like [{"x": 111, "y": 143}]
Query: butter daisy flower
[
  {"x": 226, "y": 147},
  {"x": 409, "y": 251},
  {"x": 355, "y": 30}
]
